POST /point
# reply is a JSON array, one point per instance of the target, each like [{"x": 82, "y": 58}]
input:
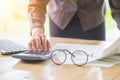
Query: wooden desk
[{"x": 15, "y": 69}]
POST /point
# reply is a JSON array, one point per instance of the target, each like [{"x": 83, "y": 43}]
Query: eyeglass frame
[{"x": 71, "y": 53}]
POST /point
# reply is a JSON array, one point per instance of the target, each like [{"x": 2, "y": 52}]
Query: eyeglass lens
[
  {"x": 58, "y": 56},
  {"x": 80, "y": 58}
]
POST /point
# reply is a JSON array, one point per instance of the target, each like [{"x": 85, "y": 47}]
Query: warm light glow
[
  {"x": 8, "y": 8},
  {"x": 13, "y": 16}
]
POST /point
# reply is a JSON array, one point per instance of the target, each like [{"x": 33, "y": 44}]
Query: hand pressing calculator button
[{"x": 33, "y": 56}]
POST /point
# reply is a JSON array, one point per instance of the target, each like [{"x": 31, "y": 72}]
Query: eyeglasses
[{"x": 78, "y": 57}]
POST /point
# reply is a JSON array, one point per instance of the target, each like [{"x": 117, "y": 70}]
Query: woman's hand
[{"x": 39, "y": 41}]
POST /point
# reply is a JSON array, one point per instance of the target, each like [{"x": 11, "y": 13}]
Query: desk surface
[{"x": 14, "y": 69}]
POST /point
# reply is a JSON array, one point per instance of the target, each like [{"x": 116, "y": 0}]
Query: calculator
[{"x": 32, "y": 56}]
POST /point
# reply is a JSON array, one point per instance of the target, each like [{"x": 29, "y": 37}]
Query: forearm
[
  {"x": 115, "y": 7},
  {"x": 36, "y": 12}
]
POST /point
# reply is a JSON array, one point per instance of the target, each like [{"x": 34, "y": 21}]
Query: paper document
[
  {"x": 97, "y": 51},
  {"x": 108, "y": 61}
]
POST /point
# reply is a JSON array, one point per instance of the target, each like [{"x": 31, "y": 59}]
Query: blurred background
[{"x": 14, "y": 18}]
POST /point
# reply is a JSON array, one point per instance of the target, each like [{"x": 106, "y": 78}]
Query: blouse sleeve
[{"x": 36, "y": 12}]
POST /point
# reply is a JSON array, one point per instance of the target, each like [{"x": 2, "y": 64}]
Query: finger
[
  {"x": 38, "y": 44},
  {"x": 48, "y": 46},
  {"x": 44, "y": 43},
  {"x": 33, "y": 42},
  {"x": 30, "y": 46}
]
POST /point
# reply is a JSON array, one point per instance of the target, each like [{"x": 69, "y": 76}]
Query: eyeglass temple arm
[{"x": 69, "y": 52}]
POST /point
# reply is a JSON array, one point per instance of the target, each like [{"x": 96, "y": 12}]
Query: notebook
[{"x": 10, "y": 47}]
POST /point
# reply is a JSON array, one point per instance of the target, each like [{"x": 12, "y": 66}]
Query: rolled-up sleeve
[
  {"x": 36, "y": 12},
  {"x": 115, "y": 7}
]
